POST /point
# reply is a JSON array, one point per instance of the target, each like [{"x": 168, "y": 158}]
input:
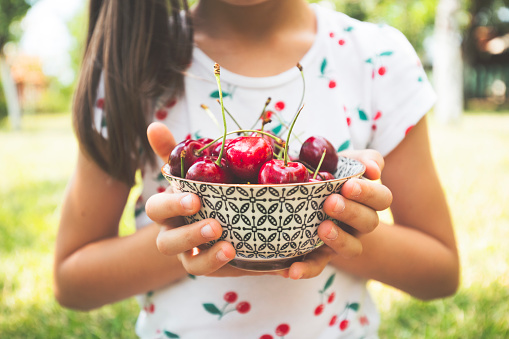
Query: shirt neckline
[{"x": 274, "y": 80}]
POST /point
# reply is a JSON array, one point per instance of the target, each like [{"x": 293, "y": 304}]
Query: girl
[{"x": 365, "y": 91}]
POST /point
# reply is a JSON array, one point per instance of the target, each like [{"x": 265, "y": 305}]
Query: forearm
[
  {"x": 113, "y": 269},
  {"x": 407, "y": 259}
]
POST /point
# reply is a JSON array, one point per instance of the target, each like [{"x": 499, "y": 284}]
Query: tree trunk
[
  {"x": 447, "y": 63},
  {"x": 11, "y": 94}
]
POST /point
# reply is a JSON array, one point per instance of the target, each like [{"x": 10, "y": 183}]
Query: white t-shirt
[{"x": 365, "y": 88}]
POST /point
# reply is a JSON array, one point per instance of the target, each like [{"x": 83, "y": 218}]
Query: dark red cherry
[
  {"x": 205, "y": 142},
  {"x": 322, "y": 176},
  {"x": 275, "y": 172},
  {"x": 217, "y": 148},
  {"x": 205, "y": 169},
  {"x": 246, "y": 155},
  {"x": 312, "y": 150},
  {"x": 190, "y": 147}
]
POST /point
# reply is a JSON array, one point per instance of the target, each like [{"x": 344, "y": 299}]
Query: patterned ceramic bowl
[{"x": 270, "y": 226}]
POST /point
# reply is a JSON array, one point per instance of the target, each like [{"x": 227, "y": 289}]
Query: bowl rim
[{"x": 166, "y": 172}]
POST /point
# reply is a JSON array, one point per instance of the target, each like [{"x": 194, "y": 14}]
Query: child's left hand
[{"x": 356, "y": 207}]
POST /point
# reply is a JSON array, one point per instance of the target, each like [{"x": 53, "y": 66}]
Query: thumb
[
  {"x": 161, "y": 140},
  {"x": 372, "y": 159}
]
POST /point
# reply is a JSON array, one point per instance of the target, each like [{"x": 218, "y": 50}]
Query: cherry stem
[
  {"x": 230, "y": 115},
  {"x": 267, "y": 102},
  {"x": 211, "y": 115},
  {"x": 182, "y": 156},
  {"x": 217, "y": 71},
  {"x": 289, "y": 134},
  {"x": 320, "y": 163},
  {"x": 239, "y": 131}
]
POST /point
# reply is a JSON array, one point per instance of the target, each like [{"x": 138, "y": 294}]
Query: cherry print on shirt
[
  {"x": 100, "y": 103},
  {"x": 281, "y": 331},
  {"x": 325, "y": 298},
  {"x": 161, "y": 114},
  {"x": 331, "y": 83},
  {"x": 170, "y": 103},
  {"x": 226, "y": 93},
  {"x": 166, "y": 334},
  {"x": 409, "y": 129},
  {"x": 148, "y": 305},
  {"x": 377, "y": 65},
  {"x": 344, "y": 322},
  {"x": 230, "y": 298}
]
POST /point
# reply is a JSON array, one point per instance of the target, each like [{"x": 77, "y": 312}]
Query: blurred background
[{"x": 464, "y": 47}]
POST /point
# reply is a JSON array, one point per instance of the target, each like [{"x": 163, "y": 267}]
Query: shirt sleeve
[{"x": 402, "y": 94}]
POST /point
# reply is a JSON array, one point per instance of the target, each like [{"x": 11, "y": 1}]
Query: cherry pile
[{"x": 254, "y": 157}]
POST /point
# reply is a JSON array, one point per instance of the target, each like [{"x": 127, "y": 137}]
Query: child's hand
[{"x": 356, "y": 207}]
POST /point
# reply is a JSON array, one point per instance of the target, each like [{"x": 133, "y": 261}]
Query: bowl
[{"x": 270, "y": 226}]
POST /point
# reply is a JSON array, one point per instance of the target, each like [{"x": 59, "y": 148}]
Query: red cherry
[
  {"x": 275, "y": 172},
  {"x": 312, "y": 150},
  {"x": 282, "y": 330},
  {"x": 161, "y": 114},
  {"x": 382, "y": 70},
  {"x": 217, "y": 148},
  {"x": 266, "y": 336},
  {"x": 319, "y": 309},
  {"x": 151, "y": 308},
  {"x": 243, "y": 307},
  {"x": 332, "y": 84},
  {"x": 364, "y": 320},
  {"x": 331, "y": 34},
  {"x": 170, "y": 103},
  {"x": 373, "y": 127},
  {"x": 230, "y": 297},
  {"x": 205, "y": 169},
  {"x": 341, "y": 42},
  {"x": 100, "y": 103},
  {"x": 348, "y": 121},
  {"x": 378, "y": 115},
  {"x": 322, "y": 176},
  {"x": 279, "y": 106},
  {"x": 331, "y": 297},
  {"x": 190, "y": 147},
  {"x": 209, "y": 150},
  {"x": 161, "y": 189},
  {"x": 343, "y": 325},
  {"x": 246, "y": 155},
  {"x": 333, "y": 320},
  {"x": 270, "y": 140}
]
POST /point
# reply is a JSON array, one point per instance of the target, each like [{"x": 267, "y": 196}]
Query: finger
[
  {"x": 162, "y": 206},
  {"x": 209, "y": 260},
  {"x": 161, "y": 140},
  {"x": 312, "y": 265},
  {"x": 340, "y": 241},
  {"x": 369, "y": 193},
  {"x": 172, "y": 241},
  {"x": 372, "y": 159},
  {"x": 364, "y": 219}
]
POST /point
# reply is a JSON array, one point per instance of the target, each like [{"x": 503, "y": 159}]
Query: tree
[{"x": 10, "y": 11}]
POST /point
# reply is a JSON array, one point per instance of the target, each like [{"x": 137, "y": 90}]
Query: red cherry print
[
  {"x": 161, "y": 189},
  {"x": 151, "y": 308},
  {"x": 409, "y": 129},
  {"x": 230, "y": 297},
  {"x": 268, "y": 114},
  {"x": 331, "y": 34},
  {"x": 161, "y": 114},
  {"x": 343, "y": 325},
  {"x": 348, "y": 121},
  {"x": 319, "y": 309},
  {"x": 266, "y": 336},
  {"x": 170, "y": 103},
  {"x": 188, "y": 137},
  {"x": 332, "y": 321},
  {"x": 373, "y": 127},
  {"x": 341, "y": 42},
  {"x": 282, "y": 330},
  {"x": 382, "y": 70},
  {"x": 279, "y": 106},
  {"x": 378, "y": 115},
  {"x": 332, "y": 84},
  {"x": 243, "y": 307},
  {"x": 331, "y": 297},
  {"x": 364, "y": 320},
  {"x": 373, "y": 74},
  {"x": 100, "y": 103}
]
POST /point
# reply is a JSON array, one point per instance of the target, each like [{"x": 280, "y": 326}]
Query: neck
[{"x": 216, "y": 18}]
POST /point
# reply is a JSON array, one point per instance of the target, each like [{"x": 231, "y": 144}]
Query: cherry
[
  {"x": 217, "y": 148},
  {"x": 270, "y": 140},
  {"x": 243, "y": 307},
  {"x": 190, "y": 147},
  {"x": 312, "y": 150},
  {"x": 319, "y": 309},
  {"x": 282, "y": 330},
  {"x": 333, "y": 320},
  {"x": 343, "y": 325},
  {"x": 246, "y": 155},
  {"x": 331, "y": 297},
  {"x": 230, "y": 297},
  {"x": 364, "y": 320},
  {"x": 206, "y": 169},
  {"x": 275, "y": 172},
  {"x": 332, "y": 84}
]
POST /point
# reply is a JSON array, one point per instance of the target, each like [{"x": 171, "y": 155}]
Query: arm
[
  {"x": 418, "y": 253},
  {"x": 93, "y": 266}
]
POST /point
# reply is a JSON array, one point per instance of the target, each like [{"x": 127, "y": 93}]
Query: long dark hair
[{"x": 141, "y": 47}]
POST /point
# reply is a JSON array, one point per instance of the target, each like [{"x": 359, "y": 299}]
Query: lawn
[{"x": 473, "y": 164}]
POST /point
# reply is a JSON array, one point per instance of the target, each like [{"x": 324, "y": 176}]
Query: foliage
[
  {"x": 10, "y": 11},
  {"x": 3, "y": 104}
]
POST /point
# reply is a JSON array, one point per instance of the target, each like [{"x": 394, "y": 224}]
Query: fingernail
[
  {"x": 187, "y": 202},
  {"x": 221, "y": 256},
  {"x": 333, "y": 234},
  {"x": 356, "y": 190},
  {"x": 340, "y": 205},
  {"x": 207, "y": 231}
]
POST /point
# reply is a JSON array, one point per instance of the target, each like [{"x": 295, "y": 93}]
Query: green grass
[{"x": 473, "y": 163}]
